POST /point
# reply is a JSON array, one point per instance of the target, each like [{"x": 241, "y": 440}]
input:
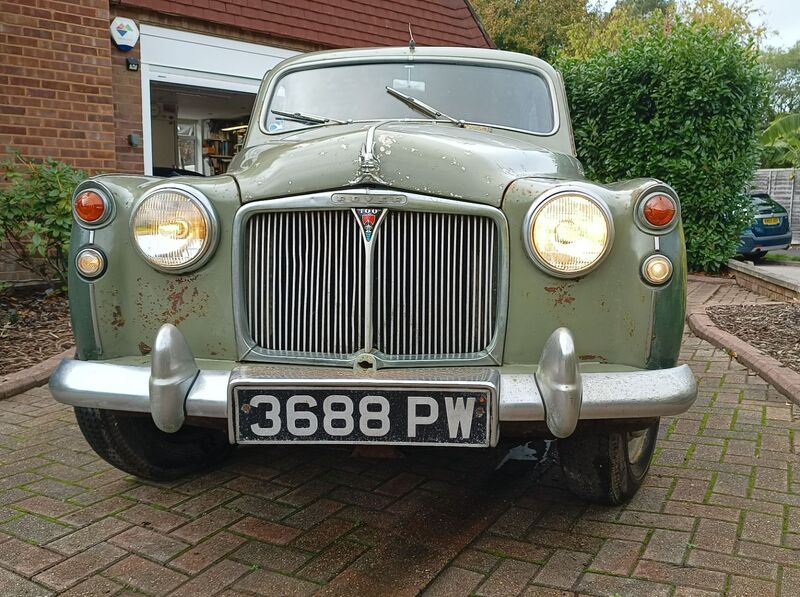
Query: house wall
[
  {"x": 56, "y": 80},
  {"x": 783, "y": 186}
]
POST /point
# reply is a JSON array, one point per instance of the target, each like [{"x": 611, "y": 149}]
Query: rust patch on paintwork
[
  {"x": 117, "y": 320},
  {"x": 183, "y": 301},
  {"x": 593, "y": 357},
  {"x": 631, "y": 326},
  {"x": 176, "y": 298},
  {"x": 144, "y": 348},
  {"x": 561, "y": 294}
]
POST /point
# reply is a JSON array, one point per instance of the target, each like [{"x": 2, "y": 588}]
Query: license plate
[
  {"x": 771, "y": 221},
  {"x": 353, "y": 416}
]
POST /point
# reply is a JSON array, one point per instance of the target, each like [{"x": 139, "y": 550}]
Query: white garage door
[{"x": 183, "y": 58}]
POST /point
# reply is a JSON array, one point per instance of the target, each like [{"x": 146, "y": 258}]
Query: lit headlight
[
  {"x": 568, "y": 233},
  {"x": 174, "y": 229}
]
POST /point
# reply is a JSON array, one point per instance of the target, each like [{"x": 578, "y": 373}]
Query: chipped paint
[
  {"x": 561, "y": 293},
  {"x": 472, "y": 164},
  {"x": 593, "y": 357},
  {"x": 182, "y": 299},
  {"x": 117, "y": 320}
]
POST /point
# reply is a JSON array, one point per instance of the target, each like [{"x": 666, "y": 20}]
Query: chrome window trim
[
  {"x": 247, "y": 349},
  {"x": 486, "y": 62},
  {"x": 537, "y": 206},
  {"x": 212, "y": 221},
  {"x": 111, "y": 206}
]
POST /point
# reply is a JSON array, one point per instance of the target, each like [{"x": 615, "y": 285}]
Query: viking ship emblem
[{"x": 368, "y": 219}]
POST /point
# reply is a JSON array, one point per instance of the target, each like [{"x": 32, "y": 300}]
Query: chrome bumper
[{"x": 174, "y": 387}]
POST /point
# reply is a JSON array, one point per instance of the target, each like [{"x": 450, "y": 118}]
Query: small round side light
[
  {"x": 90, "y": 207},
  {"x": 657, "y": 269},
  {"x": 659, "y": 210},
  {"x": 90, "y": 263}
]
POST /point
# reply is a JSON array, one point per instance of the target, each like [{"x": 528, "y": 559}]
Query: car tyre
[
  {"x": 607, "y": 466},
  {"x": 755, "y": 255},
  {"x": 135, "y": 445}
]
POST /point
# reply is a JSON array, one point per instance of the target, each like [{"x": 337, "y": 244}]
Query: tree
[
  {"x": 633, "y": 19},
  {"x": 535, "y": 27},
  {"x": 784, "y": 69},
  {"x": 738, "y": 17},
  {"x": 642, "y": 8}
]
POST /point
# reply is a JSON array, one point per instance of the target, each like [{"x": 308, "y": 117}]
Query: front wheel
[
  {"x": 135, "y": 445},
  {"x": 754, "y": 256},
  {"x": 607, "y": 466}
]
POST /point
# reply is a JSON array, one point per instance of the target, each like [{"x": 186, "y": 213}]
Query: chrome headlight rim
[
  {"x": 209, "y": 215},
  {"x": 536, "y": 208}
]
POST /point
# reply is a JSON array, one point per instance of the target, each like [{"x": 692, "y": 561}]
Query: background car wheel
[
  {"x": 755, "y": 255},
  {"x": 135, "y": 445},
  {"x": 607, "y": 466}
]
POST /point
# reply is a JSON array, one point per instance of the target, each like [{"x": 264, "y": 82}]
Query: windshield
[{"x": 488, "y": 95}]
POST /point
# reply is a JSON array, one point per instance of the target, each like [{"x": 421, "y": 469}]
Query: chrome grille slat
[{"x": 430, "y": 284}]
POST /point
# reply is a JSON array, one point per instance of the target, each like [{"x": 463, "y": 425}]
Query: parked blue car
[{"x": 769, "y": 231}]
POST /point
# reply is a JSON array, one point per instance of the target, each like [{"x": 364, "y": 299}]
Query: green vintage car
[{"x": 405, "y": 252}]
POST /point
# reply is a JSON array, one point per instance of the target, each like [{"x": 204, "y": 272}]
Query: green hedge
[{"x": 684, "y": 106}]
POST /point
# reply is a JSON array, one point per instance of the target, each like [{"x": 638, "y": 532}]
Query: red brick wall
[
  {"x": 127, "y": 90},
  {"x": 55, "y": 88},
  {"x": 55, "y": 76}
]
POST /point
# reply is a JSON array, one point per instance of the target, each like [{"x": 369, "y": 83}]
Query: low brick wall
[{"x": 763, "y": 283}]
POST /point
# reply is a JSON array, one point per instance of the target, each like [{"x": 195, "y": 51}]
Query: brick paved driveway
[{"x": 720, "y": 513}]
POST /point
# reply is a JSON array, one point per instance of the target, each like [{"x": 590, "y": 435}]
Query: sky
[{"x": 782, "y": 19}]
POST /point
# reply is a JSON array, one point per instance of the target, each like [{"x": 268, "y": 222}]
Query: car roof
[{"x": 421, "y": 53}]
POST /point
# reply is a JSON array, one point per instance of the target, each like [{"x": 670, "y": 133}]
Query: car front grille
[
  {"x": 424, "y": 286},
  {"x": 305, "y": 283}
]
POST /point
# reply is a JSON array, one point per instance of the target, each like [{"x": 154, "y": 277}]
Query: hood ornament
[{"x": 369, "y": 166}]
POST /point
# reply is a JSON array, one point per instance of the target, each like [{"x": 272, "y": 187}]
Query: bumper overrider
[{"x": 173, "y": 387}]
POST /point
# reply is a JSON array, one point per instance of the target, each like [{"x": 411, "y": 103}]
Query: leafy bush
[
  {"x": 35, "y": 214},
  {"x": 682, "y": 104},
  {"x": 781, "y": 142}
]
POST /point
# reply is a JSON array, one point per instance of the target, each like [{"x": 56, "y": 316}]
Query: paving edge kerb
[
  {"x": 30, "y": 377},
  {"x": 785, "y": 380}
]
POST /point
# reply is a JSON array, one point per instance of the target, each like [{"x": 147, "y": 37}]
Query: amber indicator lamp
[
  {"x": 659, "y": 210},
  {"x": 90, "y": 207}
]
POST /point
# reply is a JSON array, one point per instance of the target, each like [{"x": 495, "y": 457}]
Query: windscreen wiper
[
  {"x": 422, "y": 107},
  {"x": 306, "y": 118}
]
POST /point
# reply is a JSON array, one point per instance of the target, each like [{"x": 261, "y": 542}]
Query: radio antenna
[{"x": 412, "y": 44}]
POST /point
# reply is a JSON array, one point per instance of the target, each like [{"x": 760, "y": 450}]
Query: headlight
[
  {"x": 568, "y": 233},
  {"x": 175, "y": 229}
]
